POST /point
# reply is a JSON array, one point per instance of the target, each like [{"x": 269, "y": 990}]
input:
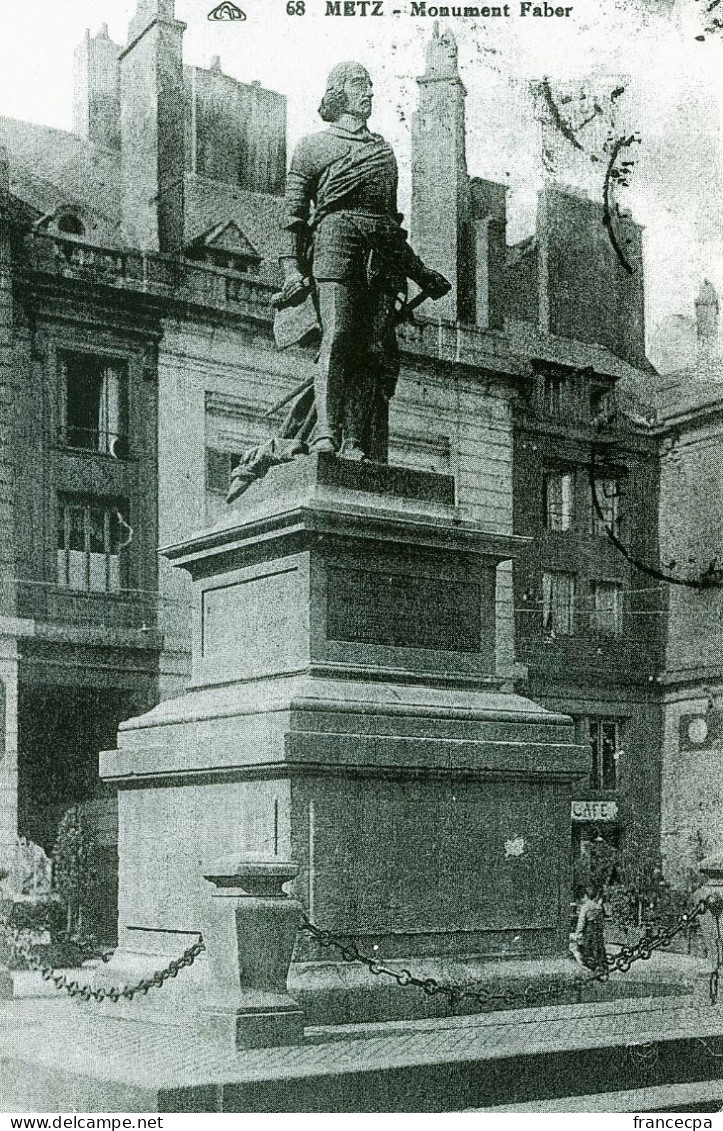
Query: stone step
[
  {"x": 698, "y": 1096},
  {"x": 58, "y": 1056}
]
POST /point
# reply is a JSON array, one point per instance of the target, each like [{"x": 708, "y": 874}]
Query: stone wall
[
  {"x": 691, "y": 785},
  {"x": 691, "y": 518},
  {"x": 8, "y": 656},
  {"x": 585, "y": 291},
  {"x": 235, "y": 132}
]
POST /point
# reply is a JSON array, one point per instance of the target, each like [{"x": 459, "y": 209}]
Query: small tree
[{"x": 76, "y": 873}]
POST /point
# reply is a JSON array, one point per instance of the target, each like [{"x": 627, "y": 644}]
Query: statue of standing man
[{"x": 348, "y": 254}]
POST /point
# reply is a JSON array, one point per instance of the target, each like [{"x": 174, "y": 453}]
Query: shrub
[
  {"x": 598, "y": 868},
  {"x": 76, "y": 872},
  {"x": 624, "y": 905}
]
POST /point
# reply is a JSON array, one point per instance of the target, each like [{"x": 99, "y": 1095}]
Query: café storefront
[{"x": 593, "y": 821}]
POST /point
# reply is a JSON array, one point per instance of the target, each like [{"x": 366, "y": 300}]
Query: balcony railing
[
  {"x": 53, "y": 604},
  {"x": 149, "y": 273}
]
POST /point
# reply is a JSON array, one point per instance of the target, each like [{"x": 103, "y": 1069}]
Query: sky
[{"x": 673, "y": 98}]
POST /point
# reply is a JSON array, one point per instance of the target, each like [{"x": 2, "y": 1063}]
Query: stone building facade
[
  {"x": 589, "y": 625},
  {"x": 138, "y": 259},
  {"x": 589, "y": 621},
  {"x": 690, "y": 427}
]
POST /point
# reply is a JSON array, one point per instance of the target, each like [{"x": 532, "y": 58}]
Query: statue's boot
[
  {"x": 351, "y": 450},
  {"x": 322, "y": 444}
]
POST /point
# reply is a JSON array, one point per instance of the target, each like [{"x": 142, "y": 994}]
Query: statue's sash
[{"x": 342, "y": 178}]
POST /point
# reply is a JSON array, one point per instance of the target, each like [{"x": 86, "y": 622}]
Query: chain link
[
  {"x": 650, "y": 942},
  {"x": 528, "y": 995},
  {"x": 349, "y": 950},
  {"x": 25, "y": 949}
]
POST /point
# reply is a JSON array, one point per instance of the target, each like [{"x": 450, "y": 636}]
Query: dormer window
[
  {"x": 225, "y": 246},
  {"x": 245, "y": 264},
  {"x": 69, "y": 223}
]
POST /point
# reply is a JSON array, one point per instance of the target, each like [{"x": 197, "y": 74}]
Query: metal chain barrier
[
  {"x": 25, "y": 948},
  {"x": 528, "y": 995},
  {"x": 350, "y": 952},
  {"x": 649, "y": 943}
]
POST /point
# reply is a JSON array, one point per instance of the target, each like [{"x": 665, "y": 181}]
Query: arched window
[{"x": 70, "y": 223}]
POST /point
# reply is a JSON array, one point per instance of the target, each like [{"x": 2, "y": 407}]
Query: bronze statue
[{"x": 348, "y": 262}]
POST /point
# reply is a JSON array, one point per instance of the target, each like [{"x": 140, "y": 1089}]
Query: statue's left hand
[
  {"x": 295, "y": 287},
  {"x": 435, "y": 284}
]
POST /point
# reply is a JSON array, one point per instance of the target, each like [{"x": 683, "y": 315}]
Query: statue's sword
[{"x": 403, "y": 314}]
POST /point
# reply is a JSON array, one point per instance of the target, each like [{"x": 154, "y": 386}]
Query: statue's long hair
[{"x": 333, "y": 105}]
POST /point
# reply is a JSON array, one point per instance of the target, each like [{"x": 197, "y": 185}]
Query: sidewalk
[{"x": 60, "y": 1055}]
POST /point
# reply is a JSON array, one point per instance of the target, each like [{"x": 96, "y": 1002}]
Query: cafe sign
[{"x": 594, "y": 811}]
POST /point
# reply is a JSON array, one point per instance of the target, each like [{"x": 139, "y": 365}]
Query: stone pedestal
[
  {"x": 249, "y": 936},
  {"x": 344, "y": 713}
]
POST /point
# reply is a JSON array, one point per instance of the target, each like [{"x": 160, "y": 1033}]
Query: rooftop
[{"x": 83, "y": 176}]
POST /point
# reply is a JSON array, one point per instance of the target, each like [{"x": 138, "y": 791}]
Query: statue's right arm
[{"x": 300, "y": 192}]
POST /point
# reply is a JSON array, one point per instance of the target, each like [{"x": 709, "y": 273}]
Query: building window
[
  {"x": 245, "y": 264},
  {"x": 558, "y": 500},
  {"x": 69, "y": 223},
  {"x": 607, "y": 495},
  {"x": 91, "y": 536},
  {"x": 94, "y": 404},
  {"x": 219, "y": 466},
  {"x": 605, "y": 746},
  {"x": 553, "y": 395},
  {"x": 558, "y": 603},
  {"x": 606, "y": 613}
]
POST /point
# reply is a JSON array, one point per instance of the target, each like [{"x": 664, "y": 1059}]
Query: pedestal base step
[
  {"x": 347, "y": 993},
  {"x": 700, "y": 1096},
  {"x": 60, "y": 1057}
]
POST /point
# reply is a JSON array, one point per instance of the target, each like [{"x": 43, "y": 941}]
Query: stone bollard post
[
  {"x": 249, "y": 937},
  {"x": 711, "y": 929}
]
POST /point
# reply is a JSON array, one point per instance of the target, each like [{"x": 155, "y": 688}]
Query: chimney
[
  {"x": 707, "y": 310},
  {"x": 585, "y": 291},
  {"x": 489, "y": 218},
  {"x": 152, "y": 129},
  {"x": 441, "y": 228},
  {"x": 236, "y": 131},
  {"x": 96, "y": 107}
]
